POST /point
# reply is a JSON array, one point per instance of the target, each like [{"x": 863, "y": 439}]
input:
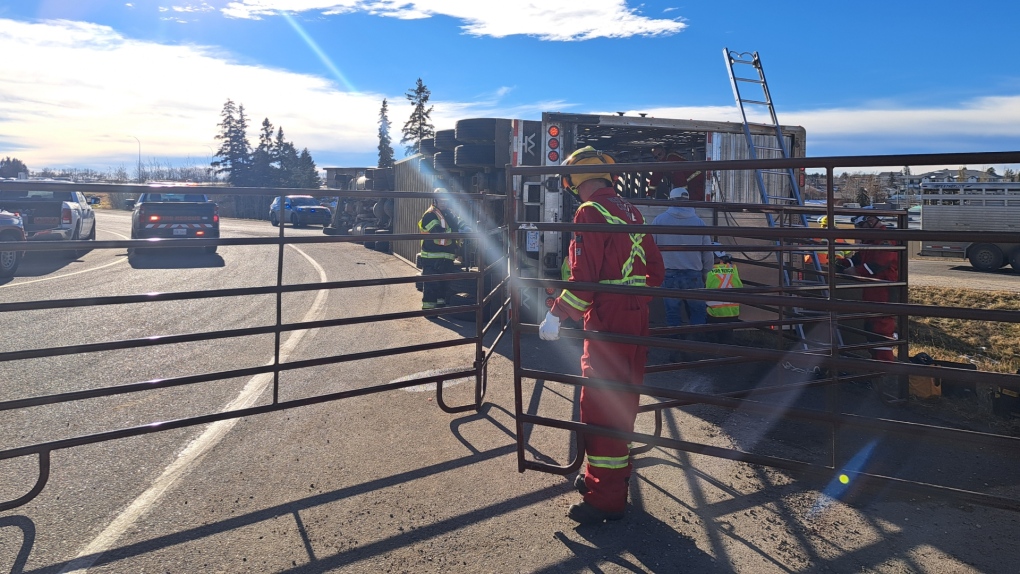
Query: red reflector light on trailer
[
  {"x": 554, "y": 131},
  {"x": 549, "y": 302},
  {"x": 554, "y": 144},
  {"x": 549, "y": 290},
  {"x": 554, "y": 156}
]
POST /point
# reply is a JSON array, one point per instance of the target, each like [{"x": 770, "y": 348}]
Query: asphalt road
[
  {"x": 958, "y": 273},
  {"x": 390, "y": 483}
]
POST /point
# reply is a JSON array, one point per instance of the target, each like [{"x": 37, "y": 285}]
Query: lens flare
[{"x": 317, "y": 50}]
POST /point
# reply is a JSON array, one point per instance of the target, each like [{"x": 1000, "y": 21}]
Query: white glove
[{"x": 549, "y": 330}]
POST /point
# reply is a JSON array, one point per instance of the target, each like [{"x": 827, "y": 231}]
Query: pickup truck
[
  {"x": 52, "y": 215},
  {"x": 175, "y": 215}
]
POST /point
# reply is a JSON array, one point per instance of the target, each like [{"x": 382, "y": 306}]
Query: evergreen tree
[
  {"x": 11, "y": 166},
  {"x": 419, "y": 125},
  {"x": 287, "y": 160},
  {"x": 235, "y": 151},
  {"x": 385, "y": 144},
  {"x": 263, "y": 172},
  {"x": 307, "y": 176}
]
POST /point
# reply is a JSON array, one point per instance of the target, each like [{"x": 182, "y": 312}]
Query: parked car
[
  {"x": 12, "y": 228},
  {"x": 299, "y": 210}
]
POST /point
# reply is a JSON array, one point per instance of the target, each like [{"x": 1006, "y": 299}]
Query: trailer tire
[
  {"x": 475, "y": 155},
  {"x": 369, "y": 231},
  {"x": 1014, "y": 260},
  {"x": 478, "y": 130},
  {"x": 985, "y": 257},
  {"x": 428, "y": 146},
  {"x": 382, "y": 246},
  {"x": 445, "y": 140},
  {"x": 444, "y": 161}
]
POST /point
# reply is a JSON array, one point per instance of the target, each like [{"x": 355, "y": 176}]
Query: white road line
[
  {"x": 198, "y": 447},
  {"x": 89, "y": 270}
]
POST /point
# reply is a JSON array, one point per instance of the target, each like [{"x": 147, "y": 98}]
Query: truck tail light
[
  {"x": 199, "y": 233},
  {"x": 154, "y": 217},
  {"x": 65, "y": 216},
  {"x": 552, "y": 144},
  {"x": 216, "y": 214}
]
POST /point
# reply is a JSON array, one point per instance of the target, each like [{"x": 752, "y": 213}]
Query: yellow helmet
[
  {"x": 585, "y": 156},
  {"x": 823, "y": 221}
]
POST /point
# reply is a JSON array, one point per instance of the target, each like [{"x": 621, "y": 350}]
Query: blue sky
[{"x": 88, "y": 77}]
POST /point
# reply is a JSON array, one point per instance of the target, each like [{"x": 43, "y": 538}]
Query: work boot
[
  {"x": 584, "y": 513},
  {"x": 581, "y": 487}
]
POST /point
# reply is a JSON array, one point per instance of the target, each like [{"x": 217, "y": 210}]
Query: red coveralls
[
  {"x": 612, "y": 258},
  {"x": 884, "y": 265},
  {"x": 693, "y": 180}
]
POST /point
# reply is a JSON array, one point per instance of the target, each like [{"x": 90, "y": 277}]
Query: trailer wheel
[
  {"x": 478, "y": 130},
  {"x": 445, "y": 140},
  {"x": 475, "y": 155},
  {"x": 985, "y": 257},
  {"x": 1014, "y": 260}
]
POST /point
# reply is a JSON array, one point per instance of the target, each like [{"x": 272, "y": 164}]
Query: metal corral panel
[
  {"x": 740, "y": 186},
  {"x": 409, "y": 175}
]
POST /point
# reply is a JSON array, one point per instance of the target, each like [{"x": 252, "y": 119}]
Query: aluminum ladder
[{"x": 777, "y": 178}]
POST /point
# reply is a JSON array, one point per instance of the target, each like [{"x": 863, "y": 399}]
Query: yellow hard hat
[
  {"x": 823, "y": 221},
  {"x": 585, "y": 156}
]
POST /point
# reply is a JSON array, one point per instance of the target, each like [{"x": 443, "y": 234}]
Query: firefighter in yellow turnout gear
[
  {"x": 437, "y": 254},
  {"x": 723, "y": 275}
]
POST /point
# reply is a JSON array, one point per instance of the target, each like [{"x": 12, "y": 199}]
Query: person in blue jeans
[{"x": 684, "y": 269}]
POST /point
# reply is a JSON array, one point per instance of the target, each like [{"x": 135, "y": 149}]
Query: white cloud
[
  {"x": 545, "y": 20},
  {"x": 81, "y": 91},
  {"x": 203, "y": 7}
]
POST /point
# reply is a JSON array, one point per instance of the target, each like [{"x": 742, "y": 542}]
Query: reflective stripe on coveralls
[
  {"x": 628, "y": 266},
  {"x": 441, "y": 242}
]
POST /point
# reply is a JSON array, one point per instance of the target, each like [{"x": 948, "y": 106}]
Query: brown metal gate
[
  {"x": 485, "y": 280},
  {"x": 808, "y": 340}
]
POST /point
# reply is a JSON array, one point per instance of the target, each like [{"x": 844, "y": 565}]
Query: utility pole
[{"x": 139, "y": 158}]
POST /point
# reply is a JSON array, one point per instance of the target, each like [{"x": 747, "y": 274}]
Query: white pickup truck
[{"x": 52, "y": 215}]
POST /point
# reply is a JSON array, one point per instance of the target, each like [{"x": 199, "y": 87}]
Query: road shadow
[
  {"x": 27, "y": 528},
  {"x": 177, "y": 259},
  {"x": 41, "y": 263},
  {"x": 1006, "y": 271}
]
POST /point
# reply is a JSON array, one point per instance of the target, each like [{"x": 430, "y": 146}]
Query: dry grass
[{"x": 993, "y": 346}]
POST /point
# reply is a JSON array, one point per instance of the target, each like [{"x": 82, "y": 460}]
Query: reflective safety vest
[
  {"x": 636, "y": 252},
  {"x": 842, "y": 252},
  {"x": 436, "y": 226},
  {"x": 723, "y": 276}
]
